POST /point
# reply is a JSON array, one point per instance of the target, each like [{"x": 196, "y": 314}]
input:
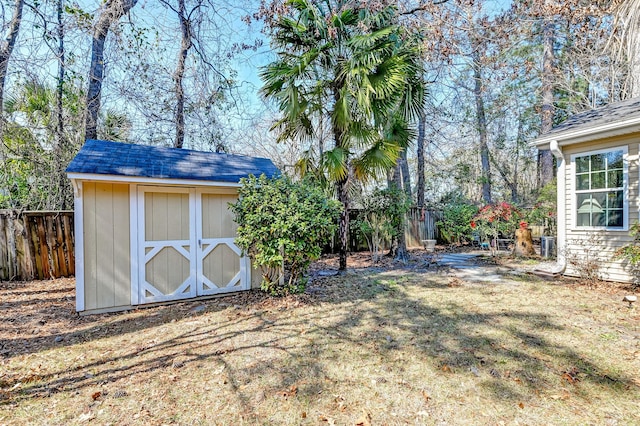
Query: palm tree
[
  {"x": 32, "y": 145},
  {"x": 356, "y": 68}
]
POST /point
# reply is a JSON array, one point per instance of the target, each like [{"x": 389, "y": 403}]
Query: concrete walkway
[{"x": 466, "y": 267}]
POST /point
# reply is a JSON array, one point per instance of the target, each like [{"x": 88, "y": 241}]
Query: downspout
[{"x": 561, "y": 180}]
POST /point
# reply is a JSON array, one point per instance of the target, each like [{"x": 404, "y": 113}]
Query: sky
[{"x": 246, "y": 115}]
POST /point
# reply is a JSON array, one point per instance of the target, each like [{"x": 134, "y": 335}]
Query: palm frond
[
  {"x": 335, "y": 162},
  {"x": 377, "y": 160},
  {"x": 354, "y": 64},
  {"x": 371, "y": 40},
  {"x": 398, "y": 132}
]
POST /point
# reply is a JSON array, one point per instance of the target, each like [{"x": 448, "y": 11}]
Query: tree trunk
[
  {"x": 515, "y": 198},
  {"x": 178, "y": 76},
  {"x": 628, "y": 22},
  {"x": 406, "y": 176},
  {"x": 634, "y": 59},
  {"x": 545, "y": 157},
  {"x": 61, "y": 75},
  {"x": 524, "y": 243},
  {"x": 61, "y": 148},
  {"x": 342, "y": 183},
  {"x": 113, "y": 11},
  {"x": 342, "y": 187},
  {"x": 401, "y": 240},
  {"x": 481, "y": 122},
  {"x": 6, "y": 49},
  {"x": 420, "y": 154}
]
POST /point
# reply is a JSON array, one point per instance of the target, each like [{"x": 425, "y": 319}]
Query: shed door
[
  {"x": 167, "y": 235},
  {"x": 186, "y": 245},
  {"x": 221, "y": 266}
]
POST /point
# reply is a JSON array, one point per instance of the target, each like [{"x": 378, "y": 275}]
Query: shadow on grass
[{"x": 381, "y": 315}]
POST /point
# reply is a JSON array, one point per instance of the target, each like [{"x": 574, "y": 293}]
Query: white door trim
[
  {"x": 212, "y": 243},
  {"x": 133, "y": 238},
  {"x": 156, "y": 246},
  {"x": 191, "y": 249}
]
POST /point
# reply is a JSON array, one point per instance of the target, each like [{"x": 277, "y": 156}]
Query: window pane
[
  {"x": 614, "y": 160},
  {"x": 615, "y": 218},
  {"x": 598, "y": 162},
  {"x": 615, "y": 179},
  {"x": 614, "y": 200},
  {"x": 582, "y": 182},
  {"x": 598, "y": 219},
  {"x": 598, "y": 180},
  {"x": 583, "y": 199},
  {"x": 589, "y": 204},
  {"x": 582, "y": 164},
  {"x": 583, "y": 219},
  {"x": 599, "y": 201}
]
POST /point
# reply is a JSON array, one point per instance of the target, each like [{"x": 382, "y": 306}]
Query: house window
[{"x": 600, "y": 189}]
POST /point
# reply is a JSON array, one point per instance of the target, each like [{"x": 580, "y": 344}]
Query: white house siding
[{"x": 591, "y": 245}]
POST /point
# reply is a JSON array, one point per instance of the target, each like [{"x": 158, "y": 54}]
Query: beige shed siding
[
  {"x": 222, "y": 264},
  {"x": 217, "y": 219},
  {"x": 599, "y": 245},
  {"x": 167, "y": 218},
  {"x": 107, "y": 280}
]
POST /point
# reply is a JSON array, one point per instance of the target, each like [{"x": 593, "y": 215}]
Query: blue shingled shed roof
[{"x": 123, "y": 159}]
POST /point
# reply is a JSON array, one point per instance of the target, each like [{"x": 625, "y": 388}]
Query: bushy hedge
[
  {"x": 282, "y": 222},
  {"x": 455, "y": 225},
  {"x": 381, "y": 218}
]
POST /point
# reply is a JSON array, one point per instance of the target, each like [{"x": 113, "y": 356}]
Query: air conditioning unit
[{"x": 547, "y": 246}]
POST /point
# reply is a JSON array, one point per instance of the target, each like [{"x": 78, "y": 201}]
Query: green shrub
[
  {"x": 281, "y": 222},
  {"x": 381, "y": 218},
  {"x": 455, "y": 225},
  {"x": 630, "y": 253}
]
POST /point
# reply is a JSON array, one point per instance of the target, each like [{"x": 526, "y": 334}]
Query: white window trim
[{"x": 625, "y": 191}]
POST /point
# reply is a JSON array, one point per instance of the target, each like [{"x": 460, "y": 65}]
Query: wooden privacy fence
[
  {"x": 40, "y": 245},
  {"x": 419, "y": 226},
  {"x": 36, "y": 245}
]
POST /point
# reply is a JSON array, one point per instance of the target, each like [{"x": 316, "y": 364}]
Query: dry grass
[{"x": 374, "y": 346}]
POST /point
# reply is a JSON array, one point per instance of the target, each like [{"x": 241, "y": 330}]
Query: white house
[{"x": 598, "y": 186}]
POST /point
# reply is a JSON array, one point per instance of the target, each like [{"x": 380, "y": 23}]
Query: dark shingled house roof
[
  {"x": 604, "y": 115},
  {"x": 614, "y": 119},
  {"x": 123, "y": 159}
]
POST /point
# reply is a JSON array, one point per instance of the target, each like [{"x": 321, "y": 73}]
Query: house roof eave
[{"x": 586, "y": 134}]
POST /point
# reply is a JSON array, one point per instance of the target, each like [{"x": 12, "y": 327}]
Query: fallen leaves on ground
[
  {"x": 365, "y": 419},
  {"x": 571, "y": 375},
  {"x": 385, "y": 335}
]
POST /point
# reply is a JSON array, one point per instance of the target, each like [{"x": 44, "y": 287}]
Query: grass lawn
[{"x": 378, "y": 346}]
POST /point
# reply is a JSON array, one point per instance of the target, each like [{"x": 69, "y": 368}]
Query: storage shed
[
  {"x": 152, "y": 224},
  {"x": 598, "y": 187}
]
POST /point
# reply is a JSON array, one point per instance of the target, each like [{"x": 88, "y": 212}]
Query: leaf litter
[{"x": 385, "y": 345}]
